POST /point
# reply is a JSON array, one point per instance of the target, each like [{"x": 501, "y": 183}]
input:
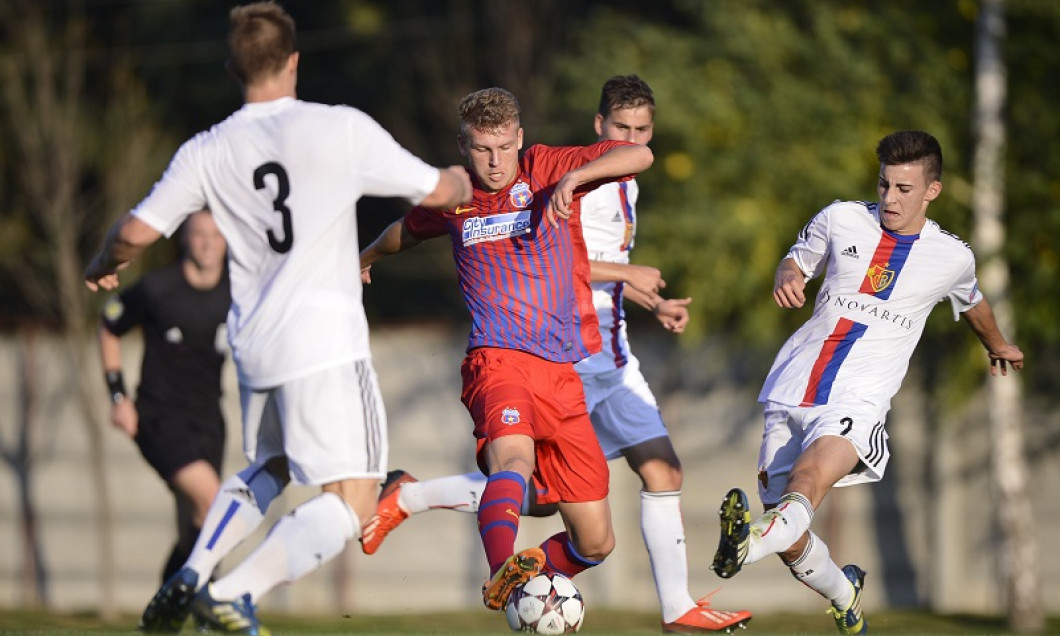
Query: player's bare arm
[
  {"x": 643, "y": 277},
  {"x": 618, "y": 162},
  {"x": 789, "y": 285},
  {"x": 1002, "y": 353},
  {"x": 672, "y": 313},
  {"x": 454, "y": 188},
  {"x": 392, "y": 240},
  {"x": 125, "y": 241}
]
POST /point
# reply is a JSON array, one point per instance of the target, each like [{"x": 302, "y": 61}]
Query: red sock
[
  {"x": 561, "y": 558},
  {"x": 498, "y": 516}
]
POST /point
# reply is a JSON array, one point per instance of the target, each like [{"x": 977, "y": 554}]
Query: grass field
[{"x": 485, "y": 622}]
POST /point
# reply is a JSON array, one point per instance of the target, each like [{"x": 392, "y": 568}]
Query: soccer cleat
[
  {"x": 234, "y": 617},
  {"x": 851, "y": 620},
  {"x": 735, "y": 516},
  {"x": 702, "y": 618},
  {"x": 388, "y": 514},
  {"x": 518, "y": 569},
  {"x": 168, "y": 610}
]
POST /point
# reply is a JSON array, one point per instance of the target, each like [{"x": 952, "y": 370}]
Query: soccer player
[
  {"x": 522, "y": 267},
  {"x": 826, "y": 398},
  {"x": 282, "y": 178},
  {"x": 622, "y": 408},
  {"x": 176, "y": 421}
]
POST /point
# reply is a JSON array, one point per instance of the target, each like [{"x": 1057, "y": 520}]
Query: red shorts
[{"x": 509, "y": 392}]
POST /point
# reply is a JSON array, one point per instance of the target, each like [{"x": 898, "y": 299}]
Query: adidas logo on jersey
[{"x": 851, "y": 251}]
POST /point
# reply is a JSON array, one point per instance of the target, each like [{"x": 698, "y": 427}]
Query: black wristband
[{"x": 115, "y": 386}]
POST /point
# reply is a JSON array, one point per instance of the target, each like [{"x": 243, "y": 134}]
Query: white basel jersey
[
  {"x": 282, "y": 179},
  {"x": 870, "y": 311},
  {"x": 609, "y": 224}
]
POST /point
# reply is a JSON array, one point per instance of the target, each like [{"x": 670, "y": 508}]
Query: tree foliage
[{"x": 767, "y": 111}]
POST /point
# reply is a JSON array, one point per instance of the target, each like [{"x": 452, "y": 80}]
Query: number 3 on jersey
[{"x": 283, "y": 189}]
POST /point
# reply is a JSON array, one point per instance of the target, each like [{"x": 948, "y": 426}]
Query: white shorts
[
  {"x": 622, "y": 408},
  {"x": 330, "y": 425},
  {"x": 789, "y": 430}
]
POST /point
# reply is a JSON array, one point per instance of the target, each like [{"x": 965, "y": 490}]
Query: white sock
[
  {"x": 664, "y": 536},
  {"x": 302, "y": 541},
  {"x": 456, "y": 492},
  {"x": 818, "y": 572},
  {"x": 779, "y": 528},
  {"x": 233, "y": 515}
]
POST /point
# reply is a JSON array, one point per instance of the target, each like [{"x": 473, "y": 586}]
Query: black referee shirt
[{"x": 184, "y": 339}]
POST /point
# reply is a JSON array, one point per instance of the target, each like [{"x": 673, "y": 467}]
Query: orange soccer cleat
[
  {"x": 518, "y": 569},
  {"x": 388, "y": 514}
]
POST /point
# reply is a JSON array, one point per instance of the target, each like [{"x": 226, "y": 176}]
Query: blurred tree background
[{"x": 767, "y": 112}]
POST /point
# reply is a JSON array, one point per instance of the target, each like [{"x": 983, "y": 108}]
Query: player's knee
[
  {"x": 661, "y": 477},
  {"x": 596, "y": 549},
  {"x": 657, "y": 465}
]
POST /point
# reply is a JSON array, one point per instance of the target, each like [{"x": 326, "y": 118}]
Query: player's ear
[
  {"x": 934, "y": 190},
  {"x": 598, "y": 125},
  {"x": 461, "y": 143},
  {"x": 519, "y": 145}
]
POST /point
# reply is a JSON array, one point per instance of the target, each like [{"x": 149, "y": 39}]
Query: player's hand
[
  {"x": 366, "y": 275},
  {"x": 99, "y": 277},
  {"x": 788, "y": 289},
  {"x": 1009, "y": 355},
  {"x": 672, "y": 313},
  {"x": 560, "y": 205},
  {"x": 466, "y": 191},
  {"x": 123, "y": 416},
  {"x": 644, "y": 278}
]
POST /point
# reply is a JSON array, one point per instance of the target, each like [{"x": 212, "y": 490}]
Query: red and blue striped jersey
[
  {"x": 870, "y": 311},
  {"x": 525, "y": 283}
]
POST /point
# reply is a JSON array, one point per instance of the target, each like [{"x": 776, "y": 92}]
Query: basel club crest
[
  {"x": 520, "y": 195},
  {"x": 880, "y": 277}
]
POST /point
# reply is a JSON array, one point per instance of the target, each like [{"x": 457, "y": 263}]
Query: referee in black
[{"x": 176, "y": 420}]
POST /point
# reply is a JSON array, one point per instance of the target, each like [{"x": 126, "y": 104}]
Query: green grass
[{"x": 485, "y": 622}]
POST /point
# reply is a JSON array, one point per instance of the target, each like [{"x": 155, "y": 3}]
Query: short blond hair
[
  {"x": 261, "y": 38},
  {"x": 488, "y": 110}
]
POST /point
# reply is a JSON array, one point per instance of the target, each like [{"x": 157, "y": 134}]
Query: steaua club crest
[
  {"x": 520, "y": 195},
  {"x": 880, "y": 277},
  {"x": 510, "y": 415}
]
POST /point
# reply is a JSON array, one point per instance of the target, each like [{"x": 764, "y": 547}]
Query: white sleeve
[
  {"x": 965, "y": 293},
  {"x": 176, "y": 195},
  {"x": 386, "y": 168},
  {"x": 811, "y": 248}
]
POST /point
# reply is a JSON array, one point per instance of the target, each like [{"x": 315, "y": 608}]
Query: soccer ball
[{"x": 546, "y": 604}]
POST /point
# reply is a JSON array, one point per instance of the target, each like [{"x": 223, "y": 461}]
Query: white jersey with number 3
[
  {"x": 871, "y": 308},
  {"x": 282, "y": 179}
]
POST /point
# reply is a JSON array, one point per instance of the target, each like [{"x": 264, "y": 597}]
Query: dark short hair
[
  {"x": 261, "y": 37},
  {"x": 912, "y": 146},
  {"x": 625, "y": 91}
]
